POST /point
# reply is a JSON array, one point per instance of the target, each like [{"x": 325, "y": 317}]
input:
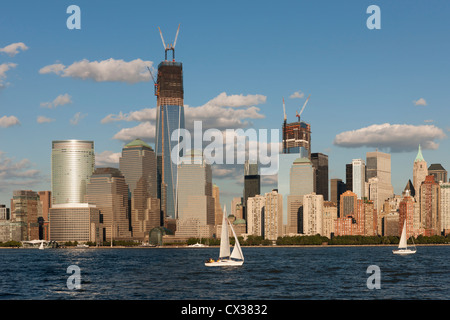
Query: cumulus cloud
[
  {"x": 60, "y": 100},
  {"x": 144, "y": 131},
  {"x": 14, "y": 173},
  {"x": 147, "y": 114},
  {"x": 13, "y": 48},
  {"x": 4, "y": 67},
  {"x": 103, "y": 71},
  {"x": 76, "y": 118},
  {"x": 297, "y": 94},
  {"x": 392, "y": 137},
  {"x": 42, "y": 119},
  {"x": 107, "y": 158},
  {"x": 420, "y": 102},
  {"x": 222, "y": 112},
  {"x": 10, "y": 121}
]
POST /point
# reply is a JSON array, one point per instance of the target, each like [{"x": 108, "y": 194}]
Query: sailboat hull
[
  {"x": 224, "y": 263},
  {"x": 404, "y": 252}
]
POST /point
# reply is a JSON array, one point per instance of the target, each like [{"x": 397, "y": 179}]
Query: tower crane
[{"x": 303, "y": 108}]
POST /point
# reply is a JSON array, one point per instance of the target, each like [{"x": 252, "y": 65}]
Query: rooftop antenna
[
  {"x": 303, "y": 108},
  {"x": 170, "y": 46}
]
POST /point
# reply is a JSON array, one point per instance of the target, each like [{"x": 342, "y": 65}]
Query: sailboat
[
  {"x": 402, "y": 246},
  {"x": 41, "y": 247},
  {"x": 236, "y": 258}
]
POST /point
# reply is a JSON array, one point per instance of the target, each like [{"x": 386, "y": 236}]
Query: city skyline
[{"x": 369, "y": 89}]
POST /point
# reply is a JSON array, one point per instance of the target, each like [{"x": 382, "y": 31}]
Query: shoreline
[{"x": 258, "y": 246}]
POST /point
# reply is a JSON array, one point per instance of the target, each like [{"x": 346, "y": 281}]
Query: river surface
[{"x": 269, "y": 273}]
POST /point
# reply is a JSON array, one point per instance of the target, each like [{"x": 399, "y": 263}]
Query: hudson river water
[{"x": 269, "y": 273}]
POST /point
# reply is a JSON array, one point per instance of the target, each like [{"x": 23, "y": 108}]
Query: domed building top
[
  {"x": 137, "y": 143},
  {"x": 302, "y": 160}
]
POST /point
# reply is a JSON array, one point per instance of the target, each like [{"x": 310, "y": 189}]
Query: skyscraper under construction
[{"x": 170, "y": 116}]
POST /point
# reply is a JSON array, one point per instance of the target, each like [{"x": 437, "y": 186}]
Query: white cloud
[
  {"x": 420, "y": 102},
  {"x": 234, "y": 100},
  {"x": 144, "y": 131},
  {"x": 13, "y": 48},
  {"x": 146, "y": 114},
  {"x": 60, "y": 100},
  {"x": 77, "y": 117},
  {"x": 222, "y": 112},
  {"x": 42, "y": 119},
  {"x": 6, "y": 121},
  {"x": 4, "y": 67},
  {"x": 297, "y": 94},
  {"x": 103, "y": 71},
  {"x": 107, "y": 158},
  {"x": 392, "y": 137},
  {"x": 16, "y": 173}
]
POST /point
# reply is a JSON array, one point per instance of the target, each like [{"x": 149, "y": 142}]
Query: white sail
[
  {"x": 237, "y": 252},
  {"x": 224, "y": 238},
  {"x": 403, "y": 243}
]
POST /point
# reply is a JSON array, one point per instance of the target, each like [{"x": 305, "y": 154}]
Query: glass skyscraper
[
  {"x": 73, "y": 162},
  {"x": 170, "y": 116}
]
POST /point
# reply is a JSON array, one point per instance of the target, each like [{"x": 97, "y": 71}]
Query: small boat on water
[
  {"x": 41, "y": 247},
  {"x": 403, "y": 246},
  {"x": 198, "y": 245},
  {"x": 236, "y": 258}
]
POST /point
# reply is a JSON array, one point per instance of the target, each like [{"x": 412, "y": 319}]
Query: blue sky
[{"x": 240, "y": 58}]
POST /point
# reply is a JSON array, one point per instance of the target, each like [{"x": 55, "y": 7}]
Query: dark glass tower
[{"x": 320, "y": 164}]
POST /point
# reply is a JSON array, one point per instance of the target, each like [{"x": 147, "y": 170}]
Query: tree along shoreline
[
  {"x": 285, "y": 241},
  {"x": 318, "y": 240}
]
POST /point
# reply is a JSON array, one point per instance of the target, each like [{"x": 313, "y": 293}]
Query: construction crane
[
  {"x": 154, "y": 82},
  {"x": 170, "y": 46},
  {"x": 303, "y": 108}
]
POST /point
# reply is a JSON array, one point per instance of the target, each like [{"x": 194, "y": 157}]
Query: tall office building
[
  {"x": 348, "y": 203},
  {"x": 73, "y": 163},
  {"x": 297, "y": 136},
  {"x": 196, "y": 203},
  {"x": 420, "y": 171},
  {"x": 273, "y": 220},
  {"x": 255, "y": 215},
  {"x": 406, "y": 213},
  {"x": 429, "y": 206},
  {"x": 24, "y": 208},
  {"x": 45, "y": 205},
  {"x": 252, "y": 183},
  {"x": 312, "y": 213},
  {"x": 445, "y": 206},
  {"x": 320, "y": 164},
  {"x": 359, "y": 177},
  {"x": 218, "y": 212},
  {"x": 438, "y": 171},
  {"x": 378, "y": 165},
  {"x": 286, "y": 161},
  {"x": 138, "y": 166},
  {"x": 349, "y": 177},
  {"x": 75, "y": 222},
  {"x": 302, "y": 177},
  {"x": 337, "y": 187},
  {"x": 301, "y": 182},
  {"x": 4, "y": 212},
  {"x": 108, "y": 191},
  {"x": 170, "y": 116}
]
